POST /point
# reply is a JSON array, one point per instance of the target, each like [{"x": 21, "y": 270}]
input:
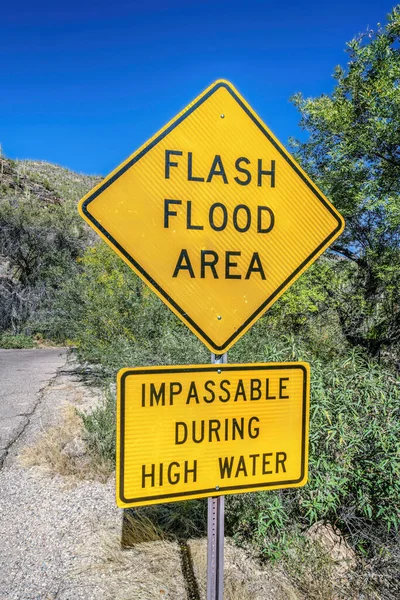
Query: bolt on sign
[
  {"x": 214, "y": 215},
  {"x": 195, "y": 431}
]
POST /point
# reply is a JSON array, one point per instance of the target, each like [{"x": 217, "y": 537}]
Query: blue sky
[{"x": 83, "y": 84}]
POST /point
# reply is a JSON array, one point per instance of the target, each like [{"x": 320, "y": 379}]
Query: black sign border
[
  {"x": 147, "y": 276},
  {"x": 206, "y": 369}
]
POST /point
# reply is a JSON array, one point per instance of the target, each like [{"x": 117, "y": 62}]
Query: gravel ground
[{"x": 42, "y": 526}]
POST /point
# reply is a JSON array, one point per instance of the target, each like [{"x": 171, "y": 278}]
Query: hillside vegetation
[
  {"x": 342, "y": 316},
  {"x": 42, "y": 237}
]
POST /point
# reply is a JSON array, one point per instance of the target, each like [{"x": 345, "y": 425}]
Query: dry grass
[
  {"x": 137, "y": 528},
  {"x": 244, "y": 578},
  {"x": 308, "y": 573},
  {"x": 48, "y": 451},
  {"x": 148, "y": 571}
]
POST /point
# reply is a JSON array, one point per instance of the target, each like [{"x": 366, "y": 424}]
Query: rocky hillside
[
  {"x": 47, "y": 182},
  {"x": 41, "y": 235}
]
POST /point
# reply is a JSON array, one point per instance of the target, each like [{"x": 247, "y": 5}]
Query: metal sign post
[
  {"x": 215, "y": 531},
  {"x": 215, "y": 548}
]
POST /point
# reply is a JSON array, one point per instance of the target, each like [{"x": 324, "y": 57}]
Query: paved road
[{"x": 23, "y": 374}]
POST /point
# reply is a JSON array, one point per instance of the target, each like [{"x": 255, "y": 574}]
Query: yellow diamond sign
[{"x": 214, "y": 215}]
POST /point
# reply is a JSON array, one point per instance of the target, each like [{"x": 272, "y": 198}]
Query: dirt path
[{"x": 23, "y": 373}]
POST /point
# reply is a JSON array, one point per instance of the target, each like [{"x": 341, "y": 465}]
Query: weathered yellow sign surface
[
  {"x": 195, "y": 431},
  {"x": 215, "y": 215}
]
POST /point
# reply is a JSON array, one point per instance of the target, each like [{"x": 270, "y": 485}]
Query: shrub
[
  {"x": 11, "y": 341},
  {"x": 116, "y": 321},
  {"x": 354, "y": 466},
  {"x": 354, "y": 463},
  {"x": 100, "y": 428}
]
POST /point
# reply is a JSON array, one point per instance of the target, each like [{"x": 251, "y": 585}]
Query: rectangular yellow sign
[{"x": 194, "y": 431}]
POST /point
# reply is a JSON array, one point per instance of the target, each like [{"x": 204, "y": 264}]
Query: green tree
[
  {"x": 116, "y": 320},
  {"x": 353, "y": 153}
]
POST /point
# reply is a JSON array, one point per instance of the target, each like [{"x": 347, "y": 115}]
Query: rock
[
  {"x": 333, "y": 543},
  {"x": 75, "y": 448}
]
